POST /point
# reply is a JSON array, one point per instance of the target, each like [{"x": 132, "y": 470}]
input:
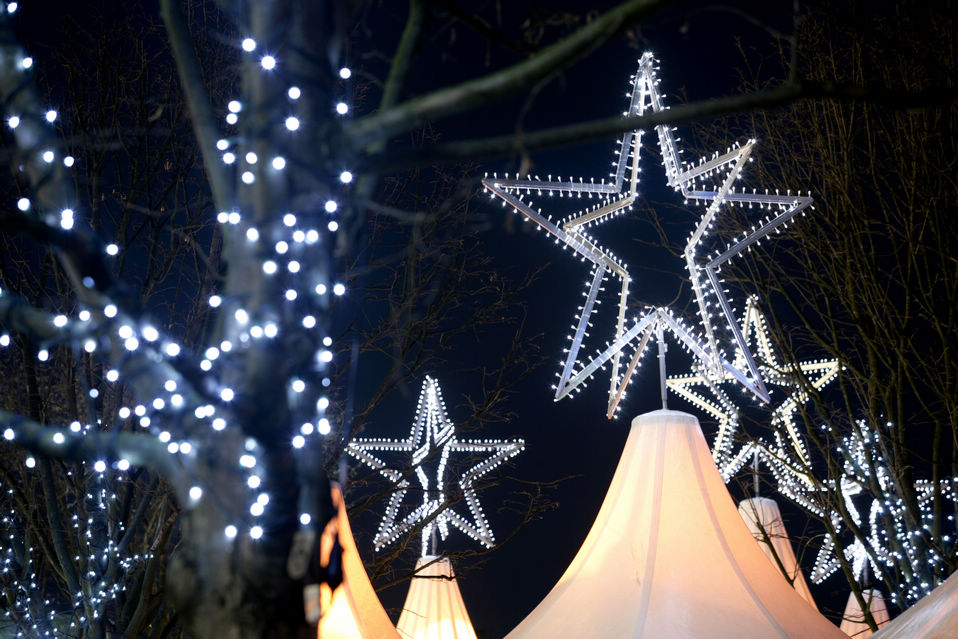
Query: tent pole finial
[
  {"x": 755, "y": 483},
  {"x": 659, "y": 334}
]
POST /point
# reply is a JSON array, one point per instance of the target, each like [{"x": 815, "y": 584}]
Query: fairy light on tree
[
  {"x": 896, "y": 550},
  {"x": 223, "y": 421},
  {"x": 711, "y": 182},
  {"x": 431, "y": 442}
]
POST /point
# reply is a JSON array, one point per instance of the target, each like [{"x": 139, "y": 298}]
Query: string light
[
  {"x": 894, "y": 540},
  {"x": 143, "y": 361}
]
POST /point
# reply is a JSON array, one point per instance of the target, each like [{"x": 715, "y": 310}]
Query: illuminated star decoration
[
  {"x": 788, "y": 440},
  {"x": 616, "y": 196},
  {"x": 433, "y": 433},
  {"x": 886, "y": 517}
]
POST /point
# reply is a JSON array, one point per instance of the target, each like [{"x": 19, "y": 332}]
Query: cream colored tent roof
[
  {"x": 853, "y": 621},
  {"x": 354, "y": 611},
  {"x": 434, "y": 608},
  {"x": 669, "y": 555},
  {"x": 934, "y": 617},
  {"x": 764, "y": 520}
]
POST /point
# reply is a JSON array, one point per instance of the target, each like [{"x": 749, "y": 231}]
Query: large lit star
[
  {"x": 431, "y": 442},
  {"x": 787, "y": 437},
  {"x": 709, "y": 182}
]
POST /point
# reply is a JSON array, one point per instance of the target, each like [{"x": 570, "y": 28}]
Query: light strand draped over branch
[{"x": 139, "y": 449}]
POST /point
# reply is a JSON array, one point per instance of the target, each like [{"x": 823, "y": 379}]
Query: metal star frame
[
  {"x": 433, "y": 439},
  {"x": 818, "y": 374},
  {"x": 617, "y": 196}
]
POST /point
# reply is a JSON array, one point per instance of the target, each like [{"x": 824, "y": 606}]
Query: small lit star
[{"x": 431, "y": 442}]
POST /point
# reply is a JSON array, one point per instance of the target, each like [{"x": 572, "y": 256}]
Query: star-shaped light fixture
[
  {"x": 709, "y": 182},
  {"x": 817, "y": 373},
  {"x": 431, "y": 442}
]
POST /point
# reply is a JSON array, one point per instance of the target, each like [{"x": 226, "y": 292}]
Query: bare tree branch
[
  {"x": 761, "y": 100},
  {"x": 141, "y": 449},
  {"x": 490, "y": 88},
  {"x": 198, "y": 99}
]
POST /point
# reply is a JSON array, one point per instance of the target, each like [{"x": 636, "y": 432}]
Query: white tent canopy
[
  {"x": 853, "y": 621},
  {"x": 669, "y": 555},
  {"x": 934, "y": 617},
  {"x": 352, "y": 610},
  {"x": 434, "y": 608},
  {"x": 764, "y": 520}
]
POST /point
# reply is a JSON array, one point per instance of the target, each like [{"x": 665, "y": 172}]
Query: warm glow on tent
[
  {"x": 853, "y": 621},
  {"x": 764, "y": 520},
  {"x": 354, "y": 611},
  {"x": 434, "y": 608},
  {"x": 934, "y": 617},
  {"x": 339, "y": 622},
  {"x": 669, "y": 555}
]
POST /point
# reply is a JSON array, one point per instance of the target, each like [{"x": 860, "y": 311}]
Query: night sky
[{"x": 571, "y": 439}]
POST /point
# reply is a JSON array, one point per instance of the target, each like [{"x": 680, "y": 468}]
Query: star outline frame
[
  {"x": 702, "y": 275},
  {"x": 433, "y": 431}
]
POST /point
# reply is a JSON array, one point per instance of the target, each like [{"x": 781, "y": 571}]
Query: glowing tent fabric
[
  {"x": 934, "y": 617},
  {"x": 853, "y": 621},
  {"x": 434, "y": 608},
  {"x": 352, "y": 610},
  {"x": 669, "y": 555},
  {"x": 764, "y": 520}
]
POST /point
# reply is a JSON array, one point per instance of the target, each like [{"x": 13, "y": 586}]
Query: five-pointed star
[
  {"x": 709, "y": 182},
  {"x": 815, "y": 373},
  {"x": 431, "y": 442}
]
